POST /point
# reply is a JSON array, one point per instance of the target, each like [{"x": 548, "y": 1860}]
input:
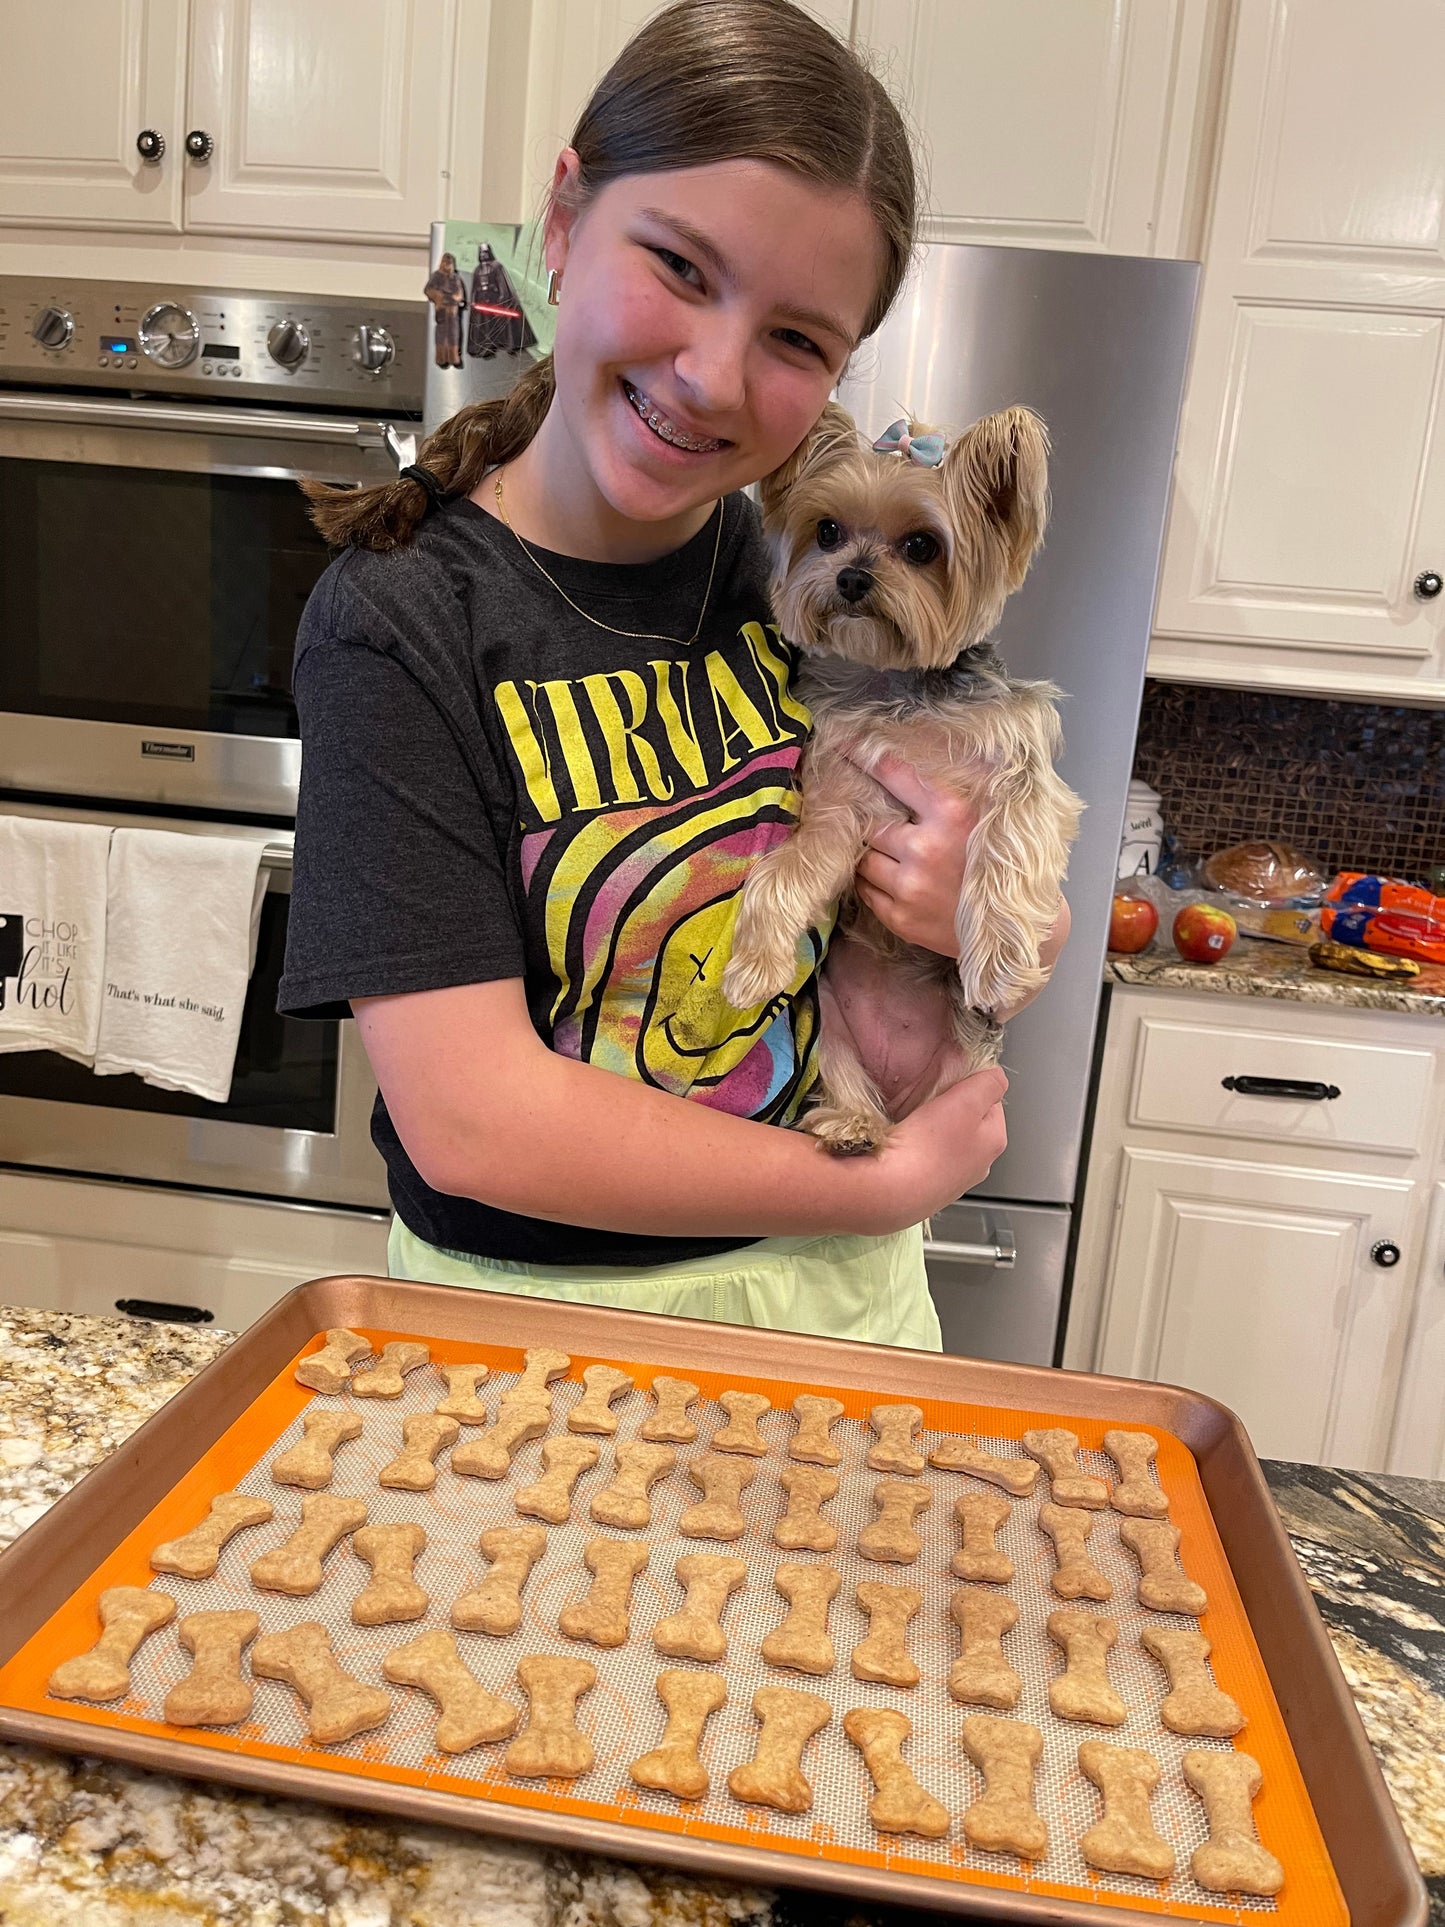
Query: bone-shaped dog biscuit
[
  {"x": 565, "y": 1459},
  {"x": 593, "y": 1411},
  {"x": 802, "y": 1641},
  {"x": 1137, "y": 1492},
  {"x": 539, "y": 1367},
  {"x": 674, "y": 1766},
  {"x": 891, "y": 1536},
  {"x": 1083, "y": 1690},
  {"x": 311, "y": 1463},
  {"x": 669, "y": 1424},
  {"x": 884, "y": 1654},
  {"x": 467, "y": 1714},
  {"x": 717, "y": 1515},
  {"x": 900, "y": 1804},
  {"x": 461, "y": 1401},
  {"x": 602, "y": 1616},
  {"x": 1075, "y": 1576},
  {"x": 489, "y": 1455},
  {"x": 774, "y": 1777},
  {"x": 127, "y": 1615},
  {"x": 708, "y": 1579},
  {"x": 295, "y": 1565},
  {"x": 549, "y": 1746},
  {"x": 741, "y": 1433},
  {"x": 981, "y": 1514},
  {"x": 213, "y": 1693},
  {"x": 423, "y": 1436},
  {"x": 802, "y": 1528},
  {"x": 1014, "y": 1475},
  {"x": 198, "y": 1552},
  {"x": 981, "y": 1676},
  {"x": 1164, "y": 1586},
  {"x": 895, "y": 1426},
  {"x": 1232, "y": 1860},
  {"x": 391, "y": 1594},
  {"x": 495, "y": 1606},
  {"x": 1195, "y": 1706},
  {"x": 1124, "y": 1840},
  {"x": 811, "y": 1442},
  {"x": 385, "y": 1379},
  {"x": 329, "y": 1370},
  {"x": 1057, "y": 1452},
  {"x": 1005, "y": 1820},
  {"x": 338, "y": 1706},
  {"x": 636, "y": 1469}
]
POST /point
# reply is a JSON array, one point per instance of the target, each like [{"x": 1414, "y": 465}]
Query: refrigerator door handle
[{"x": 997, "y": 1249}]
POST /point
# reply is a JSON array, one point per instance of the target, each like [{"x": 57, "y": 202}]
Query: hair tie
[{"x": 416, "y": 473}]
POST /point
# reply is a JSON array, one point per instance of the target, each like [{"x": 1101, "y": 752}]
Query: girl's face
[{"x": 705, "y": 315}]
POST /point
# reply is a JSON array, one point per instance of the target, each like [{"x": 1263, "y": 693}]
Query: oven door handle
[{"x": 258, "y": 424}]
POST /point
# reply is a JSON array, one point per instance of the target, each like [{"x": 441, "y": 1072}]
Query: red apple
[
  {"x": 1203, "y": 933},
  {"x": 1132, "y": 923}
]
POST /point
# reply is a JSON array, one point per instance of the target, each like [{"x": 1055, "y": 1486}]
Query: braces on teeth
[{"x": 663, "y": 428}]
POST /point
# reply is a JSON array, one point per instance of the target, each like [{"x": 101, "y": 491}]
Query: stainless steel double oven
[{"x": 154, "y": 560}]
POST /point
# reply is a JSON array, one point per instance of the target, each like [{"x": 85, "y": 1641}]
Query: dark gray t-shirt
[{"x": 493, "y": 787}]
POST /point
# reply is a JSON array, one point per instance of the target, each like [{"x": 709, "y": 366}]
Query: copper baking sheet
[{"x": 253, "y": 1409}]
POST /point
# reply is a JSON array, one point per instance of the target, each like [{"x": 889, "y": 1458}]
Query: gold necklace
[{"x": 634, "y": 635}]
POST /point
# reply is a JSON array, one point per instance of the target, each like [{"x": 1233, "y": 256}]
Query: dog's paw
[
  {"x": 848, "y": 1134},
  {"x": 752, "y": 977}
]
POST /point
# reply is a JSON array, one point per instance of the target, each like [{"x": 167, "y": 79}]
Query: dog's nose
[{"x": 854, "y": 584}]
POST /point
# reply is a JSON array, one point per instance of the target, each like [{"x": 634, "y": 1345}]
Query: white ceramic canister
[{"x": 1143, "y": 832}]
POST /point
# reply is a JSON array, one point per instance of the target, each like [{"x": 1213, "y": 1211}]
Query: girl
[{"x": 547, "y": 726}]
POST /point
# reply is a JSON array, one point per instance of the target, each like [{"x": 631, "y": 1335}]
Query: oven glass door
[{"x": 151, "y": 596}]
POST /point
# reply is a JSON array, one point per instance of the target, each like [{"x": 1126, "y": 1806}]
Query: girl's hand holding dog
[
  {"x": 945, "y": 1148},
  {"x": 911, "y": 876}
]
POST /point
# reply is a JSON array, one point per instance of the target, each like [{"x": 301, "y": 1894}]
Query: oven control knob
[
  {"x": 52, "y": 328},
  {"x": 374, "y": 348},
  {"x": 170, "y": 335},
  {"x": 288, "y": 344}
]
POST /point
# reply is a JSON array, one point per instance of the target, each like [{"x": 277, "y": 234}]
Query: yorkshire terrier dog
[{"x": 891, "y": 566}]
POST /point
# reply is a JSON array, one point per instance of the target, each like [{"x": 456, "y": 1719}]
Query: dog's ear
[
  {"x": 835, "y": 432},
  {"x": 1000, "y": 468}
]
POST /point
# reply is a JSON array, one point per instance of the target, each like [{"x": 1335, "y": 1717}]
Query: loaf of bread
[{"x": 1267, "y": 872}]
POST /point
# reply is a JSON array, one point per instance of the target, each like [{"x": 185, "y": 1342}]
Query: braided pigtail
[{"x": 388, "y": 514}]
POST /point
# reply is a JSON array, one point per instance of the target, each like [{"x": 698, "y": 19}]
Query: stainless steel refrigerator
[{"x": 1097, "y": 344}]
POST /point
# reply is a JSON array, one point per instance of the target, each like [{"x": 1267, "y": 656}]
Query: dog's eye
[
  {"x": 920, "y": 547},
  {"x": 829, "y": 535}
]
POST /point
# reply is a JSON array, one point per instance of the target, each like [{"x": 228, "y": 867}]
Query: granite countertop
[
  {"x": 93, "y": 1843},
  {"x": 1279, "y": 970}
]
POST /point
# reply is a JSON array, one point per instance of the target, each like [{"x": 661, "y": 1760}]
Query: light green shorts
[{"x": 840, "y": 1287}]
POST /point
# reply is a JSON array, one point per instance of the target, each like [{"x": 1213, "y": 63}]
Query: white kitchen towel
[
  {"x": 52, "y": 934},
  {"x": 180, "y": 945}
]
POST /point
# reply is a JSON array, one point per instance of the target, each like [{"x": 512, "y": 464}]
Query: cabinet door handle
[
  {"x": 1280, "y": 1087},
  {"x": 158, "y": 1309}
]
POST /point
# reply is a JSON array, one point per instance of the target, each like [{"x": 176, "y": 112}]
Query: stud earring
[{"x": 554, "y": 285}]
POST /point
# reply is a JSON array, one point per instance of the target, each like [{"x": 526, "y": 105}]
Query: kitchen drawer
[
  {"x": 1298, "y": 1089},
  {"x": 996, "y": 1275}
]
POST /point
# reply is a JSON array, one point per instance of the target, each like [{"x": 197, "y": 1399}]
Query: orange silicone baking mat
[{"x": 622, "y": 1714}]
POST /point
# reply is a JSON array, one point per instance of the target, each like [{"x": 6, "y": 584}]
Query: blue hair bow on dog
[{"x": 926, "y": 450}]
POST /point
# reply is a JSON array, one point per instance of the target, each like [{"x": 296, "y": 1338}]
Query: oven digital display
[
  {"x": 117, "y": 345},
  {"x": 219, "y": 351}
]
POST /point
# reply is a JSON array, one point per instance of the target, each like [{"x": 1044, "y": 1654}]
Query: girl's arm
[{"x": 487, "y": 1111}]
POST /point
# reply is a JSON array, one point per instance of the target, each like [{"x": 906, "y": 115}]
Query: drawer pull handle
[
  {"x": 1001, "y": 1255},
  {"x": 157, "y": 1308},
  {"x": 1280, "y": 1087}
]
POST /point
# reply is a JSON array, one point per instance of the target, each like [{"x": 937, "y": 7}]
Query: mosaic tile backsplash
[{"x": 1355, "y": 786}]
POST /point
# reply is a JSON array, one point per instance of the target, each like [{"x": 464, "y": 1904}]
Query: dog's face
[{"x": 894, "y": 565}]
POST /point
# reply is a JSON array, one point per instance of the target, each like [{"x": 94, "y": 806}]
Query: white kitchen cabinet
[
  {"x": 1051, "y": 126},
  {"x": 75, "y": 1245},
  {"x": 78, "y": 84},
  {"x": 1255, "y": 1284},
  {"x": 1272, "y": 1249},
  {"x": 1309, "y": 492},
  {"x": 328, "y": 121}
]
